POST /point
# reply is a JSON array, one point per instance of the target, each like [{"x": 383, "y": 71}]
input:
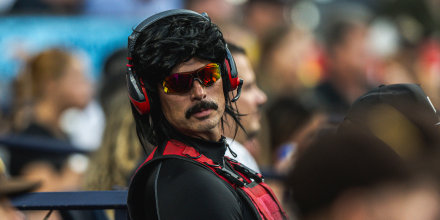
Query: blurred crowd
[{"x": 346, "y": 93}]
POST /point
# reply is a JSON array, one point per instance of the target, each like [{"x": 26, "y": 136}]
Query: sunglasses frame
[{"x": 194, "y": 76}]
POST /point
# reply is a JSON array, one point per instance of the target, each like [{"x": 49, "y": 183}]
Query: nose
[{"x": 198, "y": 91}]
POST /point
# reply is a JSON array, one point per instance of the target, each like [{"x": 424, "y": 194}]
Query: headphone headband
[{"x": 152, "y": 19}]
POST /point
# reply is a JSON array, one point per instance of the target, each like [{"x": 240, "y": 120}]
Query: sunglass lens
[
  {"x": 177, "y": 83},
  {"x": 210, "y": 74},
  {"x": 182, "y": 82}
]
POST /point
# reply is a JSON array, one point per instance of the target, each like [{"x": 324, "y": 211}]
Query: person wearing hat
[
  {"x": 400, "y": 115},
  {"x": 356, "y": 176},
  {"x": 9, "y": 188}
]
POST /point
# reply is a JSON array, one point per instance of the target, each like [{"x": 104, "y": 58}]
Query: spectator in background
[
  {"x": 262, "y": 16},
  {"x": 112, "y": 165},
  {"x": 290, "y": 54},
  {"x": 400, "y": 115},
  {"x": 221, "y": 12},
  {"x": 119, "y": 152},
  {"x": 112, "y": 79},
  {"x": 362, "y": 171},
  {"x": 51, "y": 82},
  {"x": 249, "y": 104},
  {"x": 227, "y": 15},
  {"x": 291, "y": 126},
  {"x": 356, "y": 176},
  {"x": 86, "y": 126},
  {"x": 346, "y": 70}
]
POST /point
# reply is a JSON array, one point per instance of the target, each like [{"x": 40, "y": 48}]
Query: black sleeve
[{"x": 183, "y": 190}]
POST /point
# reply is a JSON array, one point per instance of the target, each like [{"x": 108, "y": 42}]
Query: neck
[
  {"x": 208, "y": 136},
  {"x": 214, "y": 150}
]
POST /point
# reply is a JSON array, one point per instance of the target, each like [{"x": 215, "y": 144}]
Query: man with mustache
[{"x": 182, "y": 83}]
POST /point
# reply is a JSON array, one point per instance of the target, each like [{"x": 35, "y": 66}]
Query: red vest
[{"x": 258, "y": 193}]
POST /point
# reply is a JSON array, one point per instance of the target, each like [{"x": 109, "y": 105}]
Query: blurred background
[{"x": 62, "y": 75}]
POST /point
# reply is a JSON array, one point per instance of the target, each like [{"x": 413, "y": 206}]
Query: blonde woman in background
[{"x": 112, "y": 165}]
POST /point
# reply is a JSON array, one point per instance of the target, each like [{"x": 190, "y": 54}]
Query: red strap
[
  {"x": 174, "y": 147},
  {"x": 260, "y": 194},
  {"x": 255, "y": 193},
  {"x": 150, "y": 156},
  {"x": 267, "y": 204},
  {"x": 280, "y": 209},
  {"x": 191, "y": 152}
]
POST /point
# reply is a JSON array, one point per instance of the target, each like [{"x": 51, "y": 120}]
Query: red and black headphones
[{"x": 136, "y": 89}]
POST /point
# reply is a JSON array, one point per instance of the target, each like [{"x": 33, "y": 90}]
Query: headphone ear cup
[
  {"x": 137, "y": 93},
  {"x": 231, "y": 69}
]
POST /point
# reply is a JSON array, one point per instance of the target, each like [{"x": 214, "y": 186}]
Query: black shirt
[{"x": 178, "y": 189}]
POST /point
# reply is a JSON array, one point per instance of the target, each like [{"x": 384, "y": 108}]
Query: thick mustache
[{"x": 199, "y": 107}]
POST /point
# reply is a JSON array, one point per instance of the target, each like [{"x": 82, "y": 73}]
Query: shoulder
[
  {"x": 191, "y": 192},
  {"x": 176, "y": 174}
]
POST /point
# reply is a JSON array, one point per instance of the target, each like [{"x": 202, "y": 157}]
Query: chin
[{"x": 206, "y": 124}]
